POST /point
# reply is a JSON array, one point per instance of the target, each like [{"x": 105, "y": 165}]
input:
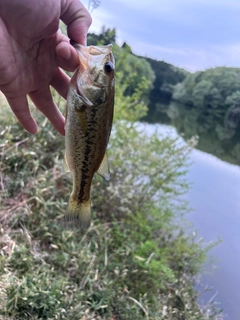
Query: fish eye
[{"x": 109, "y": 67}]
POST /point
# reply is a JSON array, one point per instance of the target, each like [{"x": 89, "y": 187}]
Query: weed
[{"x": 134, "y": 262}]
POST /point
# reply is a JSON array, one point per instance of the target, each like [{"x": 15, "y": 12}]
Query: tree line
[{"x": 204, "y": 103}]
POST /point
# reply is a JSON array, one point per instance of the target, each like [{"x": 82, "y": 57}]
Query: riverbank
[{"x": 134, "y": 261}]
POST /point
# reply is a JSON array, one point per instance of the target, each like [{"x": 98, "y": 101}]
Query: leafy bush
[{"x": 134, "y": 262}]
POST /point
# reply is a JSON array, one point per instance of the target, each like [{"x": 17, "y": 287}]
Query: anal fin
[{"x": 103, "y": 169}]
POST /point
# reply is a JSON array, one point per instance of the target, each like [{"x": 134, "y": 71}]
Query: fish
[{"x": 88, "y": 124}]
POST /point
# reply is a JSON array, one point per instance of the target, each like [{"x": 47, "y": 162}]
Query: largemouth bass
[{"x": 89, "y": 115}]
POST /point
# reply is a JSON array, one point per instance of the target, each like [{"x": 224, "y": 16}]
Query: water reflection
[
  {"x": 215, "y": 196},
  {"x": 218, "y": 131}
]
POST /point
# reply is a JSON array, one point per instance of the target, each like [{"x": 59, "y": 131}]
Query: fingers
[
  {"x": 77, "y": 19},
  {"x": 60, "y": 83},
  {"x": 42, "y": 98},
  {"x": 19, "y": 106},
  {"x": 67, "y": 57}
]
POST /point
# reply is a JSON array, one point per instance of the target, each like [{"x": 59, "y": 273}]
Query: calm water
[{"x": 215, "y": 197}]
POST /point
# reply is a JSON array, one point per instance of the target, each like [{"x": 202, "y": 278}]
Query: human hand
[{"x": 32, "y": 51}]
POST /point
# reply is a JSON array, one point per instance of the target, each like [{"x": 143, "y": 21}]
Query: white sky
[{"x": 192, "y": 34}]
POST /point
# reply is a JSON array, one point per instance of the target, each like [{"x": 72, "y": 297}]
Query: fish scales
[{"x": 88, "y": 125}]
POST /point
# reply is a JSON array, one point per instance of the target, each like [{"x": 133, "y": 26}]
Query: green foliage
[
  {"x": 39, "y": 294},
  {"x": 207, "y": 104},
  {"x": 105, "y": 37},
  {"x": 134, "y": 261}
]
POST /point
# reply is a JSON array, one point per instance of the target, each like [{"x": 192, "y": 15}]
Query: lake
[{"x": 215, "y": 198}]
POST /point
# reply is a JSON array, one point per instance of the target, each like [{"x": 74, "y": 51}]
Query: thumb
[{"x": 77, "y": 19}]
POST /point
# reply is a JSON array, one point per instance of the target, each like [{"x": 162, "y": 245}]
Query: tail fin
[{"x": 80, "y": 212}]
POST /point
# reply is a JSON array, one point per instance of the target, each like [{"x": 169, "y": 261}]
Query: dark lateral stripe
[{"x": 86, "y": 176}]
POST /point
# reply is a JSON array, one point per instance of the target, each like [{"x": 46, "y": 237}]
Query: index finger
[{"x": 77, "y": 19}]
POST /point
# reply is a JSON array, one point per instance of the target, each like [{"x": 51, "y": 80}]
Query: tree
[
  {"x": 105, "y": 37},
  {"x": 207, "y": 104}
]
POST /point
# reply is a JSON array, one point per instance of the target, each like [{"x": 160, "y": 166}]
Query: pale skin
[{"x": 32, "y": 51}]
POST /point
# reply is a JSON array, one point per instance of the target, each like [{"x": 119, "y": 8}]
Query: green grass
[{"x": 134, "y": 262}]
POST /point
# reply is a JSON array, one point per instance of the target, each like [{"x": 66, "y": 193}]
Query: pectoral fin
[
  {"x": 65, "y": 165},
  {"x": 103, "y": 169}
]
